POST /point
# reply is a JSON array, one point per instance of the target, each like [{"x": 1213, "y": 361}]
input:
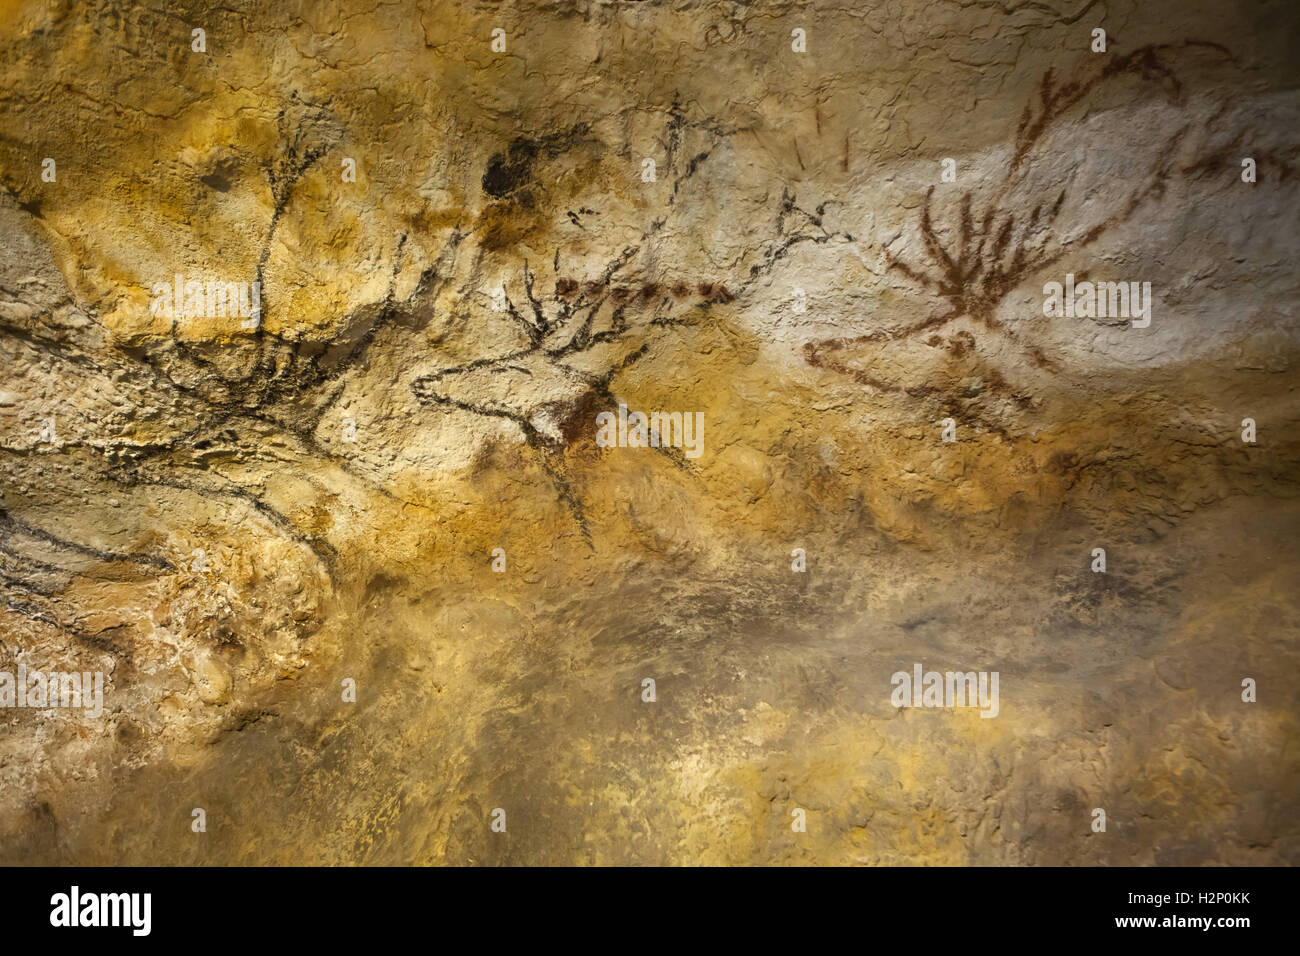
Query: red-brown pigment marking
[{"x": 568, "y": 288}]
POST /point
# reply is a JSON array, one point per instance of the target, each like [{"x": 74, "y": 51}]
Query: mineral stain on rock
[{"x": 512, "y": 169}]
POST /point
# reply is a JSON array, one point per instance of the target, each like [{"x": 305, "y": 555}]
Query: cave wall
[{"x": 235, "y": 518}]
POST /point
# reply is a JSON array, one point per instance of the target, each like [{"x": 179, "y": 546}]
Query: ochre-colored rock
[{"x": 231, "y": 517}]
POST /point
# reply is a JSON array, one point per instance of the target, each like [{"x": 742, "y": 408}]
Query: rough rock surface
[{"x": 801, "y": 273}]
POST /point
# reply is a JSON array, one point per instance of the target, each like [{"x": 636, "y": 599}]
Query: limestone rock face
[{"x": 309, "y": 323}]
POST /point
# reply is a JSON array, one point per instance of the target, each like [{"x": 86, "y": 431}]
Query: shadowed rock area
[{"x": 306, "y": 323}]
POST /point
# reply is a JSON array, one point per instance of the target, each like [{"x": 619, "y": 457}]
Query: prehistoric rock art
[
  {"x": 306, "y": 331},
  {"x": 990, "y": 252}
]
